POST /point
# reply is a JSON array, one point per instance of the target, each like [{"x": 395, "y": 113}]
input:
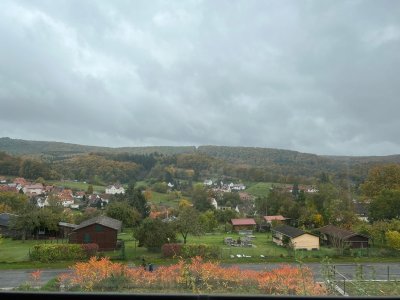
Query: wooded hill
[{"x": 245, "y": 163}]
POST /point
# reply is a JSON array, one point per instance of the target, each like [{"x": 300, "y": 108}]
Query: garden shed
[
  {"x": 297, "y": 238},
  {"x": 339, "y": 237},
  {"x": 243, "y": 224},
  {"x": 101, "y": 230}
]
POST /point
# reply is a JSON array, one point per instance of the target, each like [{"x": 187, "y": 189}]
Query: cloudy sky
[{"x": 313, "y": 76}]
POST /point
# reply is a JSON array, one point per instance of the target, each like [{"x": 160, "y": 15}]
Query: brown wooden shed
[
  {"x": 101, "y": 230},
  {"x": 335, "y": 236},
  {"x": 243, "y": 224}
]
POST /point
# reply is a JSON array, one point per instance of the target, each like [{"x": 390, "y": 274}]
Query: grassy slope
[
  {"x": 259, "y": 189},
  {"x": 77, "y": 185}
]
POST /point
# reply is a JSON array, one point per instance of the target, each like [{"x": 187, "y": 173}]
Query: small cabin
[{"x": 101, "y": 230}]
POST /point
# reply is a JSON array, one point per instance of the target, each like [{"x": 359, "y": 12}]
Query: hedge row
[
  {"x": 59, "y": 252},
  {"x": 188, "y": 251}
]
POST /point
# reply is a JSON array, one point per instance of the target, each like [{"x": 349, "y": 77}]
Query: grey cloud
[{"x": 312, "y": 76}]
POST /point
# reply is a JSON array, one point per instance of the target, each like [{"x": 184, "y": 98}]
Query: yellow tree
[{"x": 381, "y": 178}]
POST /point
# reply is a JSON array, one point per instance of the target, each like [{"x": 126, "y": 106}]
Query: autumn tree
[
  {"x": 89, "y": 189},
  {"x": 393, "y": 239},
  {"x": 381, "y": 178}
]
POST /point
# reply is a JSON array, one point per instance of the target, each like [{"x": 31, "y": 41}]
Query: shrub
[
  {"x": 57, "y": 252},
  {"x": 171, "y": 250},
  {"x": 200, "y": 250}
]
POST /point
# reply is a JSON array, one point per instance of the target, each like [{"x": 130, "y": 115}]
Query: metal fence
[{"x": 346, "y": 279}]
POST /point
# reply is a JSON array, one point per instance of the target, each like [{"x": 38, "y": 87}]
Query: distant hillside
[
  {"x": 59, "y": 149},
  {"x": 246, "y": 163}
]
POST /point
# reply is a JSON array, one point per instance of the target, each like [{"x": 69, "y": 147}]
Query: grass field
[
  {"x": 167, "y": 199},
  {"x": 14, "y": 254},
  {"x": 75, "y": 185},
  {"x": 259, "y": 189}
]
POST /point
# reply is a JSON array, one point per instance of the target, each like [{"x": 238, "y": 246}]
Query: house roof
[
  {"x": 274, "y": 218},
  {"x": 69, "y": 225},
  {"x": 102, "y": 220},
  {"x": 338, "y": 232},
  {"x": 236, "y": 222},
  {"x": 117, "y": 186},
  {"x": 289, "y": 231}
]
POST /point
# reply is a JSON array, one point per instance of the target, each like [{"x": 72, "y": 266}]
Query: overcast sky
[{"x": 314, "y": 76}]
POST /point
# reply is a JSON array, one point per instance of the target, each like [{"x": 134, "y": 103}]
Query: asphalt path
[{"x": 375, "y": 271}]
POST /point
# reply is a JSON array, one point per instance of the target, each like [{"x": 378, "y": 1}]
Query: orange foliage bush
[{"x": 196, "y": 276}]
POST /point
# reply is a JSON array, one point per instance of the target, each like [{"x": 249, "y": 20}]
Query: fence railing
[{"x": 348, "y": 279}]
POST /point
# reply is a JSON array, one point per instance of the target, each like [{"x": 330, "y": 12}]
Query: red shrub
[{"x": 171, "y": 250}]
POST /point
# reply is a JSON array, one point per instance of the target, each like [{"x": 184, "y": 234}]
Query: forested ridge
[{"x": 51, "y": 160}]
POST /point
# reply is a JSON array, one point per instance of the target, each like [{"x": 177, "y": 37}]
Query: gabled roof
[
  {"x": 236, "y": 222},
  {"x": 289, "y": 231},
  {"x": 274, "y": 218},
  {"x": 338, "y": 232},
  {"x": 69, "y": 225},
  {"x": 102, "y": 220}
]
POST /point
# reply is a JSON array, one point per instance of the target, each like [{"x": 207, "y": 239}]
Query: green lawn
[
  {"x": 259, "y": 189},
  {"x": 76, "y": 185},
  {"x": 15, "y": 251},
  {"x": 165, "y": 199}
]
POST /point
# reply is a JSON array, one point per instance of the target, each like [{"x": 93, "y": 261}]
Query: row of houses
[{"x": 284, "y": 235}]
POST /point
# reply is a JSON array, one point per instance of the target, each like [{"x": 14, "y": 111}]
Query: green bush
[
  {"x": 57, "y": 252},
  {"x": 202, "y": 250}
]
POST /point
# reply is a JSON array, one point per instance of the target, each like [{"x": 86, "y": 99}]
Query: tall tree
[
  {"x": 26, "y": 221},
  {"x": 188, "y": 222},
  {"x": 136, "y": 199},
  {"x": 153, "y": 233},
  {"x": 385, "y": 206},
  {"x": 200, "y": 198}
]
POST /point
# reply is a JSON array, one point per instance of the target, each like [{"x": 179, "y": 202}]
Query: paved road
[
  {"x": 13, "y": 278},
  {"x": 379, "y": 271}
]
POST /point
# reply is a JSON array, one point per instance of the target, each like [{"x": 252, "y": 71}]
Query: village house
[
  {"x": 294, "y": 237},
  {"x": 115, "y": 189},
  {"x": 20, "y": 181},
  {"x": 208, "y": 182},
  {"x": 100, "y": 230},
  {"x": 33, "y": 189},
  {"x": 9, "y": 188}
]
